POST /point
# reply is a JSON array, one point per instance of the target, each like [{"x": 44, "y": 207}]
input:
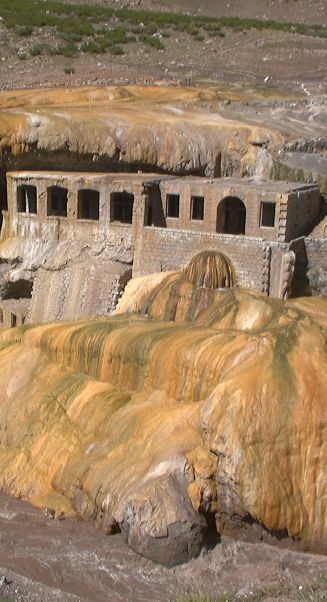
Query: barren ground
[{"x": 249, "y": 56}]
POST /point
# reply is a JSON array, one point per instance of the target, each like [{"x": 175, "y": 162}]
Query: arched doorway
[{"x": 231, "y": 216}]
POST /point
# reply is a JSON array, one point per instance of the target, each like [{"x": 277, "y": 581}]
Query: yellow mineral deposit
[
  {"x": 158, "y": 126},
  {"x": 211, "y": 402}
]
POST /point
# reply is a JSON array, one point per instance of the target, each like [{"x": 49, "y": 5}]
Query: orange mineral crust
[{"x": 211, "y": 403}]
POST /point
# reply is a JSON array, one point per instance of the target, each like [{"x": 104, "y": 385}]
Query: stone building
[{"x": 81, "y": 236}]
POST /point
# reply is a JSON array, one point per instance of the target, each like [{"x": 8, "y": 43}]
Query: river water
[{"x": 76, "y": 558}]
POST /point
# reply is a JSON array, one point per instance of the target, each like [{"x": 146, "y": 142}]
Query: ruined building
[{"x": 71, "y": 241}]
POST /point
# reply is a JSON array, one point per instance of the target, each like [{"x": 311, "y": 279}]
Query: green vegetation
[
  {"x": 94, "y": 29},
  {"x": 36, "y": 50}
]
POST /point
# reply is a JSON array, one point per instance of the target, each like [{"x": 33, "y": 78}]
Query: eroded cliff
[
  {"x": 169, "y": 129},
  {"x": 155, "y": 427}
]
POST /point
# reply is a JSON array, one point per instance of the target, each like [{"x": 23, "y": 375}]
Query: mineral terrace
[{"x": 163, "y": 303}]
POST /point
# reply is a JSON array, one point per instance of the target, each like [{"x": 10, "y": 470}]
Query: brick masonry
[{"x": 98, "y": 255}]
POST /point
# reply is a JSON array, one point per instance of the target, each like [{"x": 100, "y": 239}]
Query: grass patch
[
  {"x": 153, "y": 42},
  {"x": 93, "y": 29},
  {"x": 199, "y": 37},
  {"x": 116, "y": 50},
  {"x": 36, "y": 50}
]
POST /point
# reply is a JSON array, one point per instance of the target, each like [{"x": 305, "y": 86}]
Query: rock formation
[
  {"x": 201, "y": 404},
  {"x": 148, "y": 128}
]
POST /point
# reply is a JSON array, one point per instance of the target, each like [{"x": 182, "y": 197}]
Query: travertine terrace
[{"x": 172, "y": 387}]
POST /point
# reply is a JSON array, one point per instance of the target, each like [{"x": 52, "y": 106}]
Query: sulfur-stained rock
[
  {"x": 161, "y": 127},
  {"x": 160, "y": 423}
]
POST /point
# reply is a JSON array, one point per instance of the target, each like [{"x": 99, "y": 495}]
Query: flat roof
[
  {"x": 90, "y": 175},
  {"x": 258, "y": 184},
  {"x": 247, "y": 183}
]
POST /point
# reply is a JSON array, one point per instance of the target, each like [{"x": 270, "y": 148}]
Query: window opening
[
  {"x": 122, "y": 207},
  {"x": 26, "y": 199},
  {"x": 149, "y": 221},
  {"x": 13, "y": 320},
  {"x": 197, "y": 207},
  {"x": 231, "y": 216},
  {"x": 57, "y": 201},
  {"x": 88, "y": 204},
  {"x": 172, "y": 205},
  {"x": 267, "y": 215}
]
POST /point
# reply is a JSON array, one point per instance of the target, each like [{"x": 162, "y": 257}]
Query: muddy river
[{"x": 68, "y": 560}]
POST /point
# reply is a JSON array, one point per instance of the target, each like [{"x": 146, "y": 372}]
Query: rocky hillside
[{"x": 255, "y": 43}]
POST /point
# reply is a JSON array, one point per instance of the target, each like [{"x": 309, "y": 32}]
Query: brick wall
[
  {"x": 160, "y": 249},
  {"x": 302, "y": 212},
  {"x": 213, "y": 196}
]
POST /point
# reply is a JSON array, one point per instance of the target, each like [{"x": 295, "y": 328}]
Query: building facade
[{"x": 159, "y": 222}]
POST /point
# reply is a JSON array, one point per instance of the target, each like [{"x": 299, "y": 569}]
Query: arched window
[{"x": 231, "y": 216}]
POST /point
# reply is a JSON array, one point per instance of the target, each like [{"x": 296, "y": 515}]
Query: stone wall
[
  {"x": 161, "y": 249},
  {"x": 302, "y": 212},
  {"x": 13, "y": 312},
  {"x": 252, "y": 194},
  {"x": 316, "y": 256},
  {"x": 53, "y": 228},
  {"x": 79, "y": 265},
  {"x": 77, "y": 282}
]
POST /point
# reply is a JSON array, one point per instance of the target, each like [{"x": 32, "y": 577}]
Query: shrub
[
  {"x": 24, "y": 30},
  {"x": 154, "y": 42},
  {"x": 36, "y": 50},
  {"x": 69, "y": 50},
  {"x": 136, "y": 29},
  {"x": 116, "y": 50},
  {"x": 199, "y": 37}
]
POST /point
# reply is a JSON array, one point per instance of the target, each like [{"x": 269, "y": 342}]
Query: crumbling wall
[
  {"x": 77, "y": 281},
  {"x": 316, "y": 256},
  {"x": 302, "y": 212}
]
